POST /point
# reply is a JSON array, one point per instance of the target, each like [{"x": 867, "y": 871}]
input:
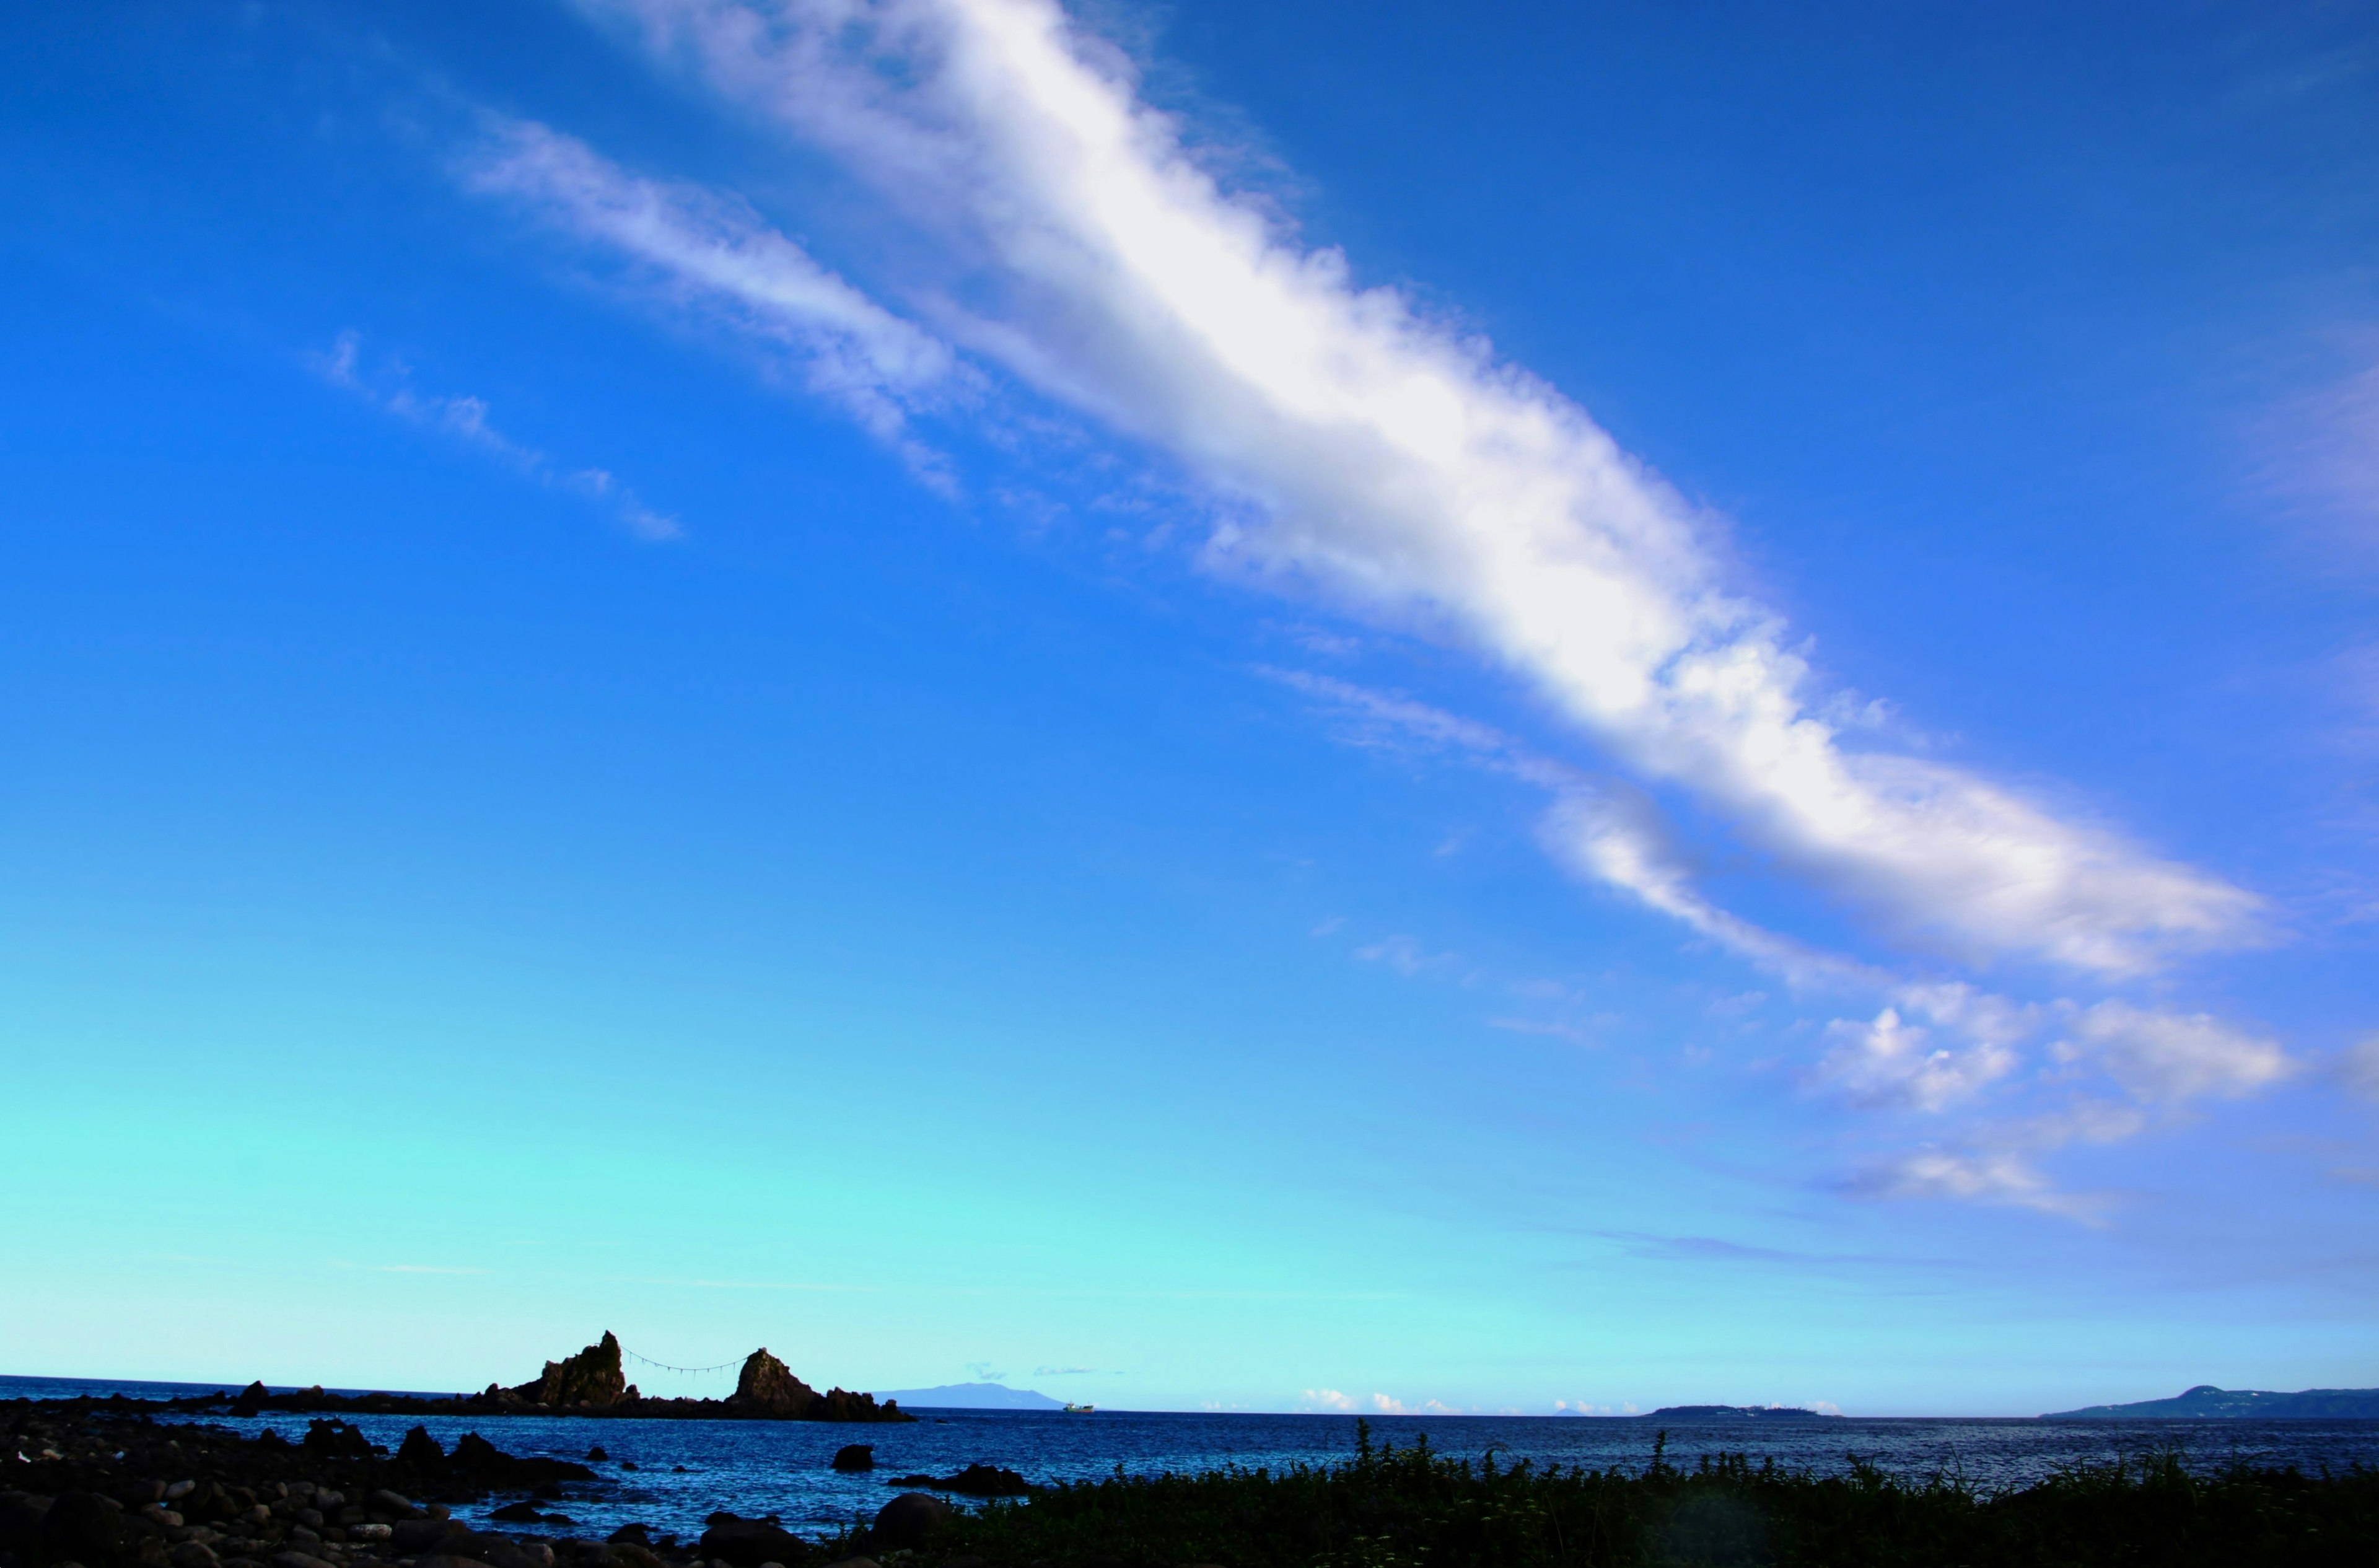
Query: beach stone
[
  {"x": 298, "y": 1560},
  {"x": 370, "y": 1532},
  {"x": 413, "y": 1537},
  {"x": 191, "y": 1554},
  {"x": 856, "y": 1456},
  {"x": 909, "y": 1520},
  {"x": 870, "y": 1562},
  {"x": 21, "y": 1519},
  {"x": 443, "y": 1559},
  {"x": 635, "y": 1533},
  {"x": 632, "y": 1554},
  {"x": 84, "y": 1526},
  {"x": 747, "y": 1543},
  {"x": 179, "y": 1490},
  {"x": 395, "y": 1505}
]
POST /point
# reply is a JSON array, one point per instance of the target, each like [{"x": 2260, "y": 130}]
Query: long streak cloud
[{"x": 1387, "y": 461}]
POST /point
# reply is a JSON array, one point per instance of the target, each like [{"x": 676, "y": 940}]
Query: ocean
[{"x": 685, "y": 1470}]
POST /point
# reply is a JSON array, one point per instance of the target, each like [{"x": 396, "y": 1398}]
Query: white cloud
[
  {"x": 1987, "y": 1176},
  {"x": 466, "y": 419},
  {"x": 2166, "y": 1057},
  {"x": 1391, "y": 461},
  {"x": 1328, "y": 1399},
  {"x": 1404, "y": 955},
  {"x": 1888, "y": 1062},
  {"x": 2358, "y": 1067}
]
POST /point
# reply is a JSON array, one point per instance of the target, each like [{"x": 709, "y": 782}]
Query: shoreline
[{"x": 126, "y": 1483}]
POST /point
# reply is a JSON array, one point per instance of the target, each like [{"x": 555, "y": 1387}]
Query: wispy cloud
[
  {"x": 1939, "y": 1060},
  {"x": 2358, "y": 1067},
  {"x": 464, "y": 419},
  {"x": 714, "y": 252},
  {"x": 1394, "y": 463}
]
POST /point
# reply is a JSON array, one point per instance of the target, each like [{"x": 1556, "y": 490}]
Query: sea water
[{"x": 685, "y": 1470}]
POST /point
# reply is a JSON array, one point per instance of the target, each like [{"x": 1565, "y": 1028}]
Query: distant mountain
[
  {"x": 2207, "y": 1403},
  {"x": 1732, "y": 1413},
  {"x": 971, "y": 1396}
]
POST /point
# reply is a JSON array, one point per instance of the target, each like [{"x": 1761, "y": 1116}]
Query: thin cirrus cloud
[
  {"x": 464, "y": 419},
  {"x": 1383, "y": 459},
  {"x": 712, "y": 251},
  {"x": 1966, "y": 1091}
]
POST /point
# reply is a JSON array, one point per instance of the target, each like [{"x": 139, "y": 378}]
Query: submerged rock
[{"x": 856, "y": 1456}]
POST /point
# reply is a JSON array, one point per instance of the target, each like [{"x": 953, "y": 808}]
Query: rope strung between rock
[{"x": 667, "y": 1367}]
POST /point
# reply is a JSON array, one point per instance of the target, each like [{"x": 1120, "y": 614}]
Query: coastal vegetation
[{"x": 1412, "y": 1507}]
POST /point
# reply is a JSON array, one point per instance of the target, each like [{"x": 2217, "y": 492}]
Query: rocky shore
[
  {"x": 103, "y": 1484},
  {"x": 592, "y": 1382}
]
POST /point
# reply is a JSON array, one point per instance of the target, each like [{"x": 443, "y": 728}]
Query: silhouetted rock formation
[
  {"x": 589, "y": 1383},
  {"x": 591, "y": 1376},
  {"x": 767, "y": 1387}
]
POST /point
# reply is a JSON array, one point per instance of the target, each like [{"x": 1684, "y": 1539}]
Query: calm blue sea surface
[{"x": 687, "y": 1469}]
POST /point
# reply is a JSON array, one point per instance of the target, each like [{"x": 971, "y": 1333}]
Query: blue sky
[{"x": 1284, "y": 708}]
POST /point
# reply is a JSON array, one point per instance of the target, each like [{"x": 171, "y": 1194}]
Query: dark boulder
[
  {"x": 473, "y": 1451},
  {"x": 523, "y": 1513},
  {"x": 987, "y": 1480},
  {"x": 856, "y": 1456},
  {"x": 85, "y": 1526},
  {"x": 21, "y": 1519},
  {"x": 596, "y": 1454},
  {"x": 747, "y": 1543},
  {"x": 633, "y": 1533},
  {"x": 333, "y": 1439},
  {"x": 975, "y": 1480},
  {"x": 251, "y": 1399},
  {"x": 909, "y": 1521},
  {"x": 415, "y": 1538},
  {"x": 420, "y": 1449}
]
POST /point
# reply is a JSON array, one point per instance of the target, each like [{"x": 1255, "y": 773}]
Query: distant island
[
  {"x": 1732, "y": 1413},
  {"x": 2207, "y": 1403},
  {"x": 589, "y": 1383},
  {"x": 971, "y": 1396}
]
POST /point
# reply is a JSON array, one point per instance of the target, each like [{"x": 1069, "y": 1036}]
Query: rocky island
[{"x": 589, "y": 1383}]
